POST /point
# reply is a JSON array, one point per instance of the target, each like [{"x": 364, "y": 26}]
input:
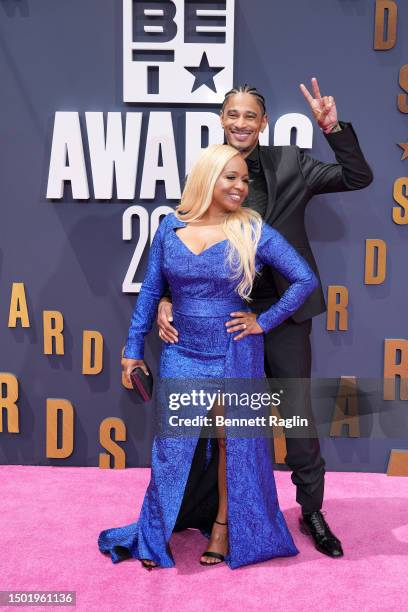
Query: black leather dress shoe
[{"x": 314, "y": 524}]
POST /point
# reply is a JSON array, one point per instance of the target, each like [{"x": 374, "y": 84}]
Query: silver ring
[{"x": 244, "y": 326}]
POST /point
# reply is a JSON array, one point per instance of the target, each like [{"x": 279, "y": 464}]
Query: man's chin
[{"x": 242, "y": 147}]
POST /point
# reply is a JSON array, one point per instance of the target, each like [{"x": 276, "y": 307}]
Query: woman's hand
[
  {"x": 245, "y": 322},
  {"x": 128, "y": 365}
]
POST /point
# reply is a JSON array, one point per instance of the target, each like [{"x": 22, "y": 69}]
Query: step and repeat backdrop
[{"x": 104, "y": 106}]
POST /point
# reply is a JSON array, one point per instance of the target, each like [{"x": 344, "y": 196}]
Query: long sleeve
[
  {"x": 152, "y": 289},
  {"x": 273, "y": 250},
  {"x": 351, "y": 171}
]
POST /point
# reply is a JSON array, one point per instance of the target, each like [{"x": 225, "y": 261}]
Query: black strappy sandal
[
  {"x": 213, "y": 555},
  {"x": 147, "y": 565}
]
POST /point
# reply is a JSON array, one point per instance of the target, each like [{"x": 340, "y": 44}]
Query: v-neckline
[{"x": 201, "y": 252}]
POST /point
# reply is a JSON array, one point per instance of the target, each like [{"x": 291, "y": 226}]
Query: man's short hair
[{"x": 249, "y": 90}]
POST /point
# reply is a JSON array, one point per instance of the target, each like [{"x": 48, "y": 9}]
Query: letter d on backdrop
[
  {"x": 386, "y": 14},
  {"x": 92, "y": 352},
  {"x": 66, "y": 410}
]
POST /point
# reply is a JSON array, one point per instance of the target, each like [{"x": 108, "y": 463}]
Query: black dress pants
[{"x": 288, "y": 362}]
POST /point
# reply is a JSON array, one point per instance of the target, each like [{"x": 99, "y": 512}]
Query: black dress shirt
[
  {"x": 258, "y": 192},
  {"x": 264, "y": 287}
]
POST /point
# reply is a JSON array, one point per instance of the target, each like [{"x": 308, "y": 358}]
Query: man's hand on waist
[{"x": 167, "y": 332}]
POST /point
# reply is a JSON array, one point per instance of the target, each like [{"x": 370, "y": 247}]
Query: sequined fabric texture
[{"x": 203, "y": 295}]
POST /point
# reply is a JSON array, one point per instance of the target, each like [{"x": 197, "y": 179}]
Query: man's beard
[
  {"x": 244, "y": 150},
  {"x": 241, "y": 149}
]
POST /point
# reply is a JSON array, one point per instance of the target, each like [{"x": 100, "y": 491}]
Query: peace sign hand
[{"x": 323, "y": 108}]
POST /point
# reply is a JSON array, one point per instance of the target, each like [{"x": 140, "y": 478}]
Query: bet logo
[{"x": 177, "y": 51}]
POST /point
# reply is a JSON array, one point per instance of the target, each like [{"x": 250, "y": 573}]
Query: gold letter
[
  {"x": 119, "y": 457},
  {"x": 18, "y": 306},
  {"x": 335, "y": 307},
  {"x": 67, "y": 442},
  {"x": 381, "y": 44},
  {"x": 97, "y": 338},
  {"x": 392, "y": 368},
  {"x": 398, "y": 463},
  {"x": 53, "y": 331},
  {"x": 375, "y": 261},
  {"x": 403, "y": 81},
  {"x": 346, "y": 397},
  {"x": 400, "y": 190},
  {"x": 9, "y": 402}
]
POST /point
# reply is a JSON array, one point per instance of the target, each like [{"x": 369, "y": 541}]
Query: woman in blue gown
[{"x": 208, "y": 253}]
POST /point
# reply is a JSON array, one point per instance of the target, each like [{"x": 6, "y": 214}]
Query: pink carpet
[{"x": 51, "y": 518}]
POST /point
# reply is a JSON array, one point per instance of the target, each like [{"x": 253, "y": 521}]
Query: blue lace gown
[{"x": 203, "y": 296}]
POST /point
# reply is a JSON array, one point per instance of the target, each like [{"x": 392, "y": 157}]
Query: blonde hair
[{"x": 242, "y": 228}]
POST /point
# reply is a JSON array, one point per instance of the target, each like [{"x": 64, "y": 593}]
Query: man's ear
[
  {"x": 264, "y": 122},
  {"x": 222, "y": 118}
]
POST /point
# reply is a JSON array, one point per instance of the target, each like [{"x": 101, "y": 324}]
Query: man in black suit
[{"x": 282, "y": 181}]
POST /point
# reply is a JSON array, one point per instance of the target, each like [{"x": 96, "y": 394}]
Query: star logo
[
  {"x": 404, "y": 147},
  {"x": 204, "y": 74}
]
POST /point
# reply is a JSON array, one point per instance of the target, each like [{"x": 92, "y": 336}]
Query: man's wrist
[
  {"x": 332, "y": 129},
  {"x": 336, "y": 128}
]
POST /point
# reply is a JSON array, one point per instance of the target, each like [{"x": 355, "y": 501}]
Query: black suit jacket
[{"x": 293, "y": 178}]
